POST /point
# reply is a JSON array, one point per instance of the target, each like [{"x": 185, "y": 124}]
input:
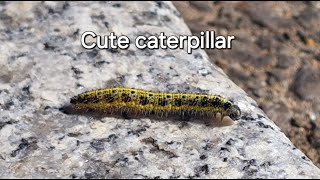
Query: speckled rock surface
[{"x": 43, "y": 65}]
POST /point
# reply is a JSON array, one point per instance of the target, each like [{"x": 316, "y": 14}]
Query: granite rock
[{"x": 43, "y": 65}]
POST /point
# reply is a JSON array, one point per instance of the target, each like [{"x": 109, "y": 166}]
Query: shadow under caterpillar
[{"x": 136, "y": 102}]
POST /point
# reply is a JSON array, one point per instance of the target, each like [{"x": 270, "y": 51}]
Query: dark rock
[
  {"x": 302, "y": 36},
  {"x": 202, "y": 157},
  {"x": 238, "y": 76},
  {"x": 258, "y": 92},
  {"x": 200, "y": 5},
  {"x": 284, "y": 61},
  {"x": 2, "y": 124},
  {"x": 116, "y": 5},
  {"x": 264, "y": 42},
  {"x": 306, "y": 83},
  {"x": 317, "y": 57},
  {"x": 226, "y": 19},
  {"x": 276, "y": 75},
  {"x": 286, "y": 36},
  {"x": 93, "y": 53},
  {"x": 309, "y": 18},
  {"x": 264, "y": 61},
  {"x": 300, "y": 122},
  {"x": 250, "y": 57},
  {"x": 98, "y": 144},
  {"x": 314, "y": 138},
  {"x": 261, "y": 15},
  {"x": 25, "y": 147}
]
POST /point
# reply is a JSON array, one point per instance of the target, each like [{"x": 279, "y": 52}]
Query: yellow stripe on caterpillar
[{"x": 159, "y": 103}]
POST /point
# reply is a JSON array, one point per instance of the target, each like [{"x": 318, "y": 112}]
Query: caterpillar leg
[
  {"x": 125, "y": 115},
  {"x": 221, "y": 117},
  {"x": 185, "y": 118}
]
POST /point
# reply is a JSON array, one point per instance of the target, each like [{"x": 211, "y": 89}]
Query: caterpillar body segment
[{"x": 159, "y": 103}]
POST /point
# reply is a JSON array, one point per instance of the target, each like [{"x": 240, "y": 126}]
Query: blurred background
[{"x": 275, "y": 59}]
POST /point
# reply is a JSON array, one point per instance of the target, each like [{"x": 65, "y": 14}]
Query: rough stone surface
[
  {"x": 274, "y": 40},
  {"x": 43, "y": 65}
]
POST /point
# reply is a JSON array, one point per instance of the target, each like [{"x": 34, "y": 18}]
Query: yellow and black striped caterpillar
[{"x": 158, "y": 103}]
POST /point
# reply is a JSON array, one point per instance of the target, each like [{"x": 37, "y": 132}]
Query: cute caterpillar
[{"x": 159, "y": 103}]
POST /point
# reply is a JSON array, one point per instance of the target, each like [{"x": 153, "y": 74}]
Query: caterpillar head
[{"x": 234, "y": 112}]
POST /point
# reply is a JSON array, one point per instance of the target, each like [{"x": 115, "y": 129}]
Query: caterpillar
[{"x": 158, "y": 103}]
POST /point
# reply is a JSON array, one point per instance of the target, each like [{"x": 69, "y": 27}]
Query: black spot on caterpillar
[{"x": 130, "y": 100}]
